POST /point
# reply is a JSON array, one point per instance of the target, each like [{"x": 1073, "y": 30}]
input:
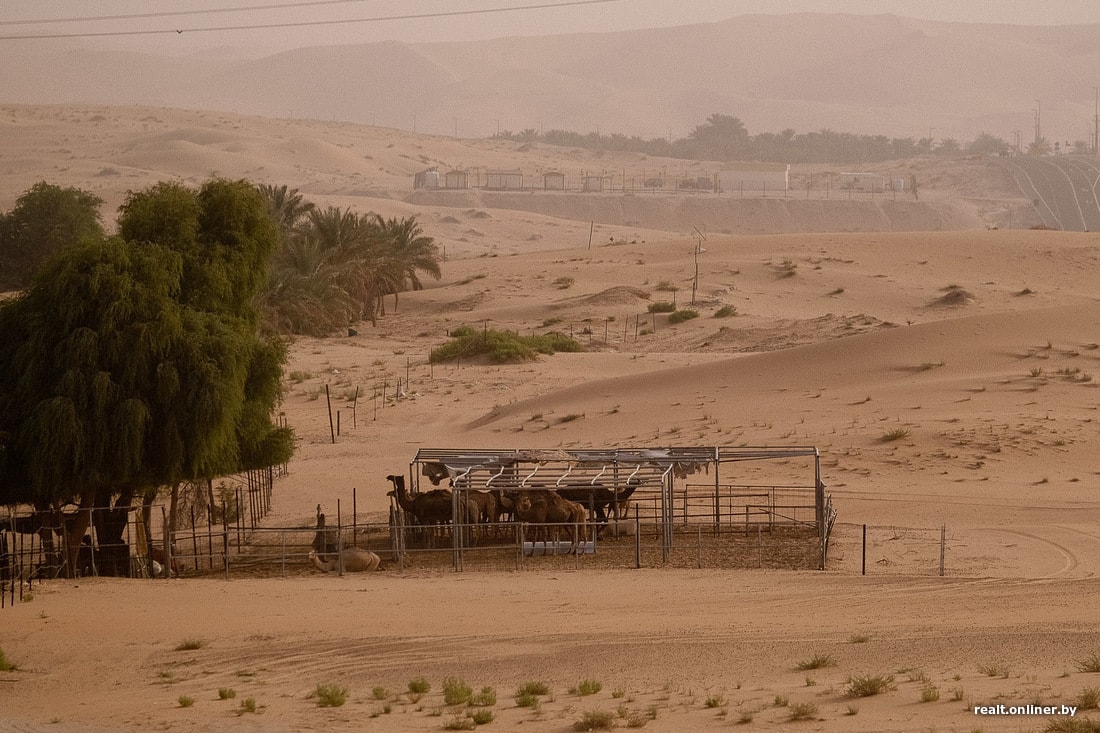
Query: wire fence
[{"x": 125, "y": 540}]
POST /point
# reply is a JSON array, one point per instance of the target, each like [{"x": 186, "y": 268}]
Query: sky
[{"x": 366, "y": 23}]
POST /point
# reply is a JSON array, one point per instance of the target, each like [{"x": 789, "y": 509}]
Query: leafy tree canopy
[
  {"x": 135, "y": 361},
  {"x": 45, "y": 219}
]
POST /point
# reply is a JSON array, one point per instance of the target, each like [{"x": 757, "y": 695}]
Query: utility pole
[
  {"x": 1038, "y": 119},
  {"x": 1096, "y": 123}
]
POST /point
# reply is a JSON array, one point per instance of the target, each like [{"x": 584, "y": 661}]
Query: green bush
[
  {"x": 456, "y": 692},
  {"x": 725, "y": 312},
  {"x": 502, "y": 347},
  {"x": 330, "y": 695},
  {"x": 587, "y": 687},
  {"x": 682, "y": 315},
  {"x": 661, "y": 306},
  {"x": 867, "y": 685},
  {"x": 419, "y": 686}
]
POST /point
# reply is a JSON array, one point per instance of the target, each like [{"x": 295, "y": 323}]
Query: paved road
[{"x": 1065, "y": 189}]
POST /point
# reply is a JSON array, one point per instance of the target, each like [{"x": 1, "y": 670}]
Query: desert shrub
[
  {"x": 994, "y": 669},
  {"x": 484, "y": 699},
  {"x": 895, "y": 434},
  {"x": 460, "y": 722},
  {"x": 563, "y": 283},
  {"x": 725, "y": 312},
  {"x": 929, "y": 693},
  {"x": 859, "y": 639},
  {"x": 666, "y": 287},
  {"x": 817, "y": 661},
  {"x": 481, "y": 717},
  {"x": 782, "y": 701},
  {"x": 248, "y": 705},
  {"x": 379, "y": 693},
  {"x": 1091, "y": 663},
  {"x": 185, "y": 701},
  {"x": 6, "y": 665},
  {"x": 526, "y": 700},
  {"x": 866, "y": 685},
  {"x": 535, "y": 688},
  {"x": 587, "y": 687},
  {"x": 501, "y": 347},
  {"x": 715, "y": 701},
  {"x": 682, "y": 315},
  {"x": 331, "y": 695},
  {"x": 226, "y": 693},
  {"x": 595, "y": 720},
  {"x": 456, "y": 692},
  {"x": 419, "y": 686},
  {"x": 661, "y": 306},
  {"x": 190, "y": 644},
  {"x": 1088, "y": 698},
  {"x": 802, "y": 711}
]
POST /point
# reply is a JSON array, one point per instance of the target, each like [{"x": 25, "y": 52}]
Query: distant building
[
  {"x": 553, "y": 181},
  {"x": 426, "y": 179},
  {"x": 456, "y": 179},
  {"x": 754, "y": 177},
  {"x": 504, "y": 180},
  {"x": 867, "y": 182}
]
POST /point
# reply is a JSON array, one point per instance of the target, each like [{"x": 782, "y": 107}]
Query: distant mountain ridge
[{"x": 880, "y": 74}]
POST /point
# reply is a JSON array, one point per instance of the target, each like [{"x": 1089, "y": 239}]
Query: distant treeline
[{"x": 723, "y": 137}]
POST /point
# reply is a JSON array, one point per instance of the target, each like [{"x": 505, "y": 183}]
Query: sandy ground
[{"x": 976, "y": 349}]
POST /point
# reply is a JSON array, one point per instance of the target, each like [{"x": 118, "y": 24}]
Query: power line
[
  {"x": 171, "y": 13},
  {"x": 302, "y": 24}
]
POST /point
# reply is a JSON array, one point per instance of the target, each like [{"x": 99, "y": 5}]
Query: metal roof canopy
[
  {"x": 469, "y": 468},
  {"x": 464, "y": 462}
]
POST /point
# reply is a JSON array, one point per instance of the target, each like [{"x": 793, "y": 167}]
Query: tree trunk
[{"x": 170, "y": 528}]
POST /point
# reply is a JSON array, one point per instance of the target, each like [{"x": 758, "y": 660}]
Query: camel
[
  {"x": 546, "y": 511},
  {"x": 432, "y": 508},
  {"x": 354, "y": 559},
  {"x": 324, "y": 539},
  {"x": 600, "y": 499}
]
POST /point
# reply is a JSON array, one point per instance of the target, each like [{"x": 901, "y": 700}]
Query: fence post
[
  {"x": 339, "y": 543},
  {"x": 863, "y": 571},
  {"x": 637, "y": 539},
  {"x": 943, "y": 542}
]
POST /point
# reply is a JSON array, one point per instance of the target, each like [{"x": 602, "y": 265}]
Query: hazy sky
[{"x": 599, "y": 16}]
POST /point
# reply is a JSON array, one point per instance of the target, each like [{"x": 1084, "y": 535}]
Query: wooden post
[
  {"x": 863, "y": 571},
  {"x": 943, "y": 548},
  {"x": 354, "y": 407},
  {"x": 331, "y": 429},
  {"x": 339, "y": 543},
  {"x": 637, "y": 539}
]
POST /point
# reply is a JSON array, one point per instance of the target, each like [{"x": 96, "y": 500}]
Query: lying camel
[{"x": 355, "y": 561}]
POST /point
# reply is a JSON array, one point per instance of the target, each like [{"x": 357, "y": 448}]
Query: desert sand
[{"x": 978, "y": 347}]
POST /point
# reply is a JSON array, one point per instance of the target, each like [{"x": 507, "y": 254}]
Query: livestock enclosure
[{"x": 698, "y": 506}]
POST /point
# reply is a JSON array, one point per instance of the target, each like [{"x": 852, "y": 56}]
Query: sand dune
[{"x": 974, "y": 414}]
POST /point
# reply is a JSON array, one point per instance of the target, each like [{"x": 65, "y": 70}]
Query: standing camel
[
  {"x": 431, "y": 508},
  {"x": 546, "y": 512}
]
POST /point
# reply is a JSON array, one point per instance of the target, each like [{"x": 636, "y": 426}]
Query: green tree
[
  {"x": 407, "y": 252},
  {"x": 722, "y": 137},
  {"x": 132, "y": 364},
  {"x": 339, "y": 267},
  {"x": 287, "y": 207},
  {"x": 45, "y": 219},
  {"x": 986, "y": 144}
]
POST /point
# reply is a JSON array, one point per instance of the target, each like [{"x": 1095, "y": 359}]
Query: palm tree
[
  {"x": 410, "y": 252},
  {"x": 287, "y": 208}
]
